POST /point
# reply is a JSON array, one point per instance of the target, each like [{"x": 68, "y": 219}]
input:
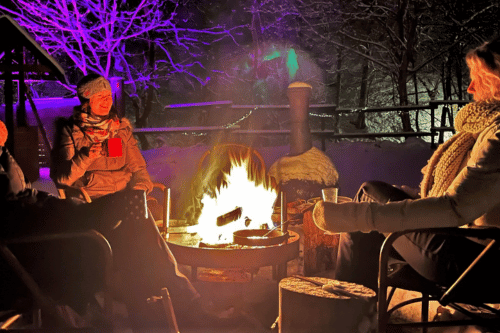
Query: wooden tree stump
[
  {"x": 320, "y": 248},
  {"x": 306, "y": 308}
]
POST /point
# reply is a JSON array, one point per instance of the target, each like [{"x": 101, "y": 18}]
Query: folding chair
[
  {"x": 40, "y": 299},
  {"x": 460, "y": 293}
]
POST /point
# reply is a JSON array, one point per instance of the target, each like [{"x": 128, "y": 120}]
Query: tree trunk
[
  {"x": 407, "y": 32},
  {"x": 403, "y": 99},
  {"x": 255, "y": 28},
  {"x": 448, "y": 79},
  {"x": 458, "y": 74},
  {"x": 141, "y": 119},
  {"x": 417, "y": 112},
  {"x": 360, "y": 122},
  {"x": 336, "y": 119}
]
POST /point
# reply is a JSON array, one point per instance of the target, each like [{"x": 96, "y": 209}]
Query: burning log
[{"x": 229, "y": 217}]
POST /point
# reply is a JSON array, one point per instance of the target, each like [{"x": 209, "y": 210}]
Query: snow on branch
[{"x": 107, "y": 36}]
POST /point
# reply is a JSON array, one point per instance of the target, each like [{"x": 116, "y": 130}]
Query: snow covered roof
[{"x": 13, "y": 35}]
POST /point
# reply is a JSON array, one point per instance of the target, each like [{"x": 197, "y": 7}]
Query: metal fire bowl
[{"x": 246, "y": 257}]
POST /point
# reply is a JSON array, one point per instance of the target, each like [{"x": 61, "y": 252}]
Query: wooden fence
[{"x": 439, "y": 123}]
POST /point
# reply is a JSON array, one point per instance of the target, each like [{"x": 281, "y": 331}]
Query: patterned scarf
[
  {"x": 445, "y": 163},
  {"x": 96, "y": 128}
]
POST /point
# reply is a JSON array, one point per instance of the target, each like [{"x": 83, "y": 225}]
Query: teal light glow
[
  {"x": 274, "y": 55},
  {"x": 292, "y": 63}
]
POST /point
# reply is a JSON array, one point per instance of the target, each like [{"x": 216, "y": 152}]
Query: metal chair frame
[
  {"x": 43, "y": 301},
  {"x": 445, "y": 296}
]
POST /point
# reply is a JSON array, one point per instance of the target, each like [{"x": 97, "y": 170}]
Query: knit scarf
[
  {"x": 445, "y": 163},
  {"x": 96, "y": 128}
]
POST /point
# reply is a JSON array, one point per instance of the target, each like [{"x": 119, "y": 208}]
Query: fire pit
[
  {"x": 230, "y": 217},
  {"x": 186, "y": 249}
]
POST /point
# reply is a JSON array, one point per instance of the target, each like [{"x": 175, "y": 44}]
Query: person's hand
[
  {"x": 140, "y": 187},
  {"x": 412, "y": 192},
  {"x": 96, "y": 151}
]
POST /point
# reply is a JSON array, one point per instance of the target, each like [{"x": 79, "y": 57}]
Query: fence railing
[{"x": 324, "y": 112}]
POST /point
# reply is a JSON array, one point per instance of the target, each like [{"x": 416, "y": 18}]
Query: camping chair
[
  {"x": 163, "y": 299},
  {"x": 460, "y": 294},
  {"x": 24, "y": 282}
]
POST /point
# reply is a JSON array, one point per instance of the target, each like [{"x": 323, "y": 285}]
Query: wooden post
[
  {"x": 9, "y": 100},
  {"x": 284, "y": 226},
  {"x": 21, "y": 117},
  {"x": 320, "y": 250}
]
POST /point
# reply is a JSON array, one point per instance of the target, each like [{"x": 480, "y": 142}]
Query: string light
[{"x": 227, "y": 126}]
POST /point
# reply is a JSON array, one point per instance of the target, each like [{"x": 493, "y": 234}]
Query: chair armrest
[
  {"x": 492, "y": 233},
  {"x": 476, "y": 232}
]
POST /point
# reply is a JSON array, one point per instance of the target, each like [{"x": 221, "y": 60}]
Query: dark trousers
[
  {"x": 145, "y": 264},
  {"x": 72, "y": 271},
  {"x": 439, "y": 258}
]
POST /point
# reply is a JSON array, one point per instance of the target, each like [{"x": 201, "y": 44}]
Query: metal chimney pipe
[{"x": 300, "y": 134}]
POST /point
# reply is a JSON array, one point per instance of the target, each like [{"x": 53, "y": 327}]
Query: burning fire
[{"x": 243, "y": 186}]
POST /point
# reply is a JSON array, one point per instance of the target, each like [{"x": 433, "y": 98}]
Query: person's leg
[
  {"x": 439, "y": 258},
  {"x": 358, "y": 253},
  {"x": 143, "y": 259},
  {"x": 357, "y": 258}
]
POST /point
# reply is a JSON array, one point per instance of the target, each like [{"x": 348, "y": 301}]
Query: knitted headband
[
  {"x": 92, "y": 86},
  {"x": 3, "y": 133}
]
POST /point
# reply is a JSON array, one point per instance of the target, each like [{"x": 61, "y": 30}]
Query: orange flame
[{"x": 245, "y": 186}]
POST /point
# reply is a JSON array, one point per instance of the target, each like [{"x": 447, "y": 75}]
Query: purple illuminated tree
[{"x": 147, "y": 42}]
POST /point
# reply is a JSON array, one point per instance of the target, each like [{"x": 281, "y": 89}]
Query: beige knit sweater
[{"x": 453, "y": 195}]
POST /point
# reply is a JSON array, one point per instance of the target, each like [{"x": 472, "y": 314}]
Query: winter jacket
[
  {"x": 72, "y": 168},
  {"x": 473, "y": 197}
]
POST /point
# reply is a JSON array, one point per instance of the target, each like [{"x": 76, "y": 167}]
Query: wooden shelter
[{"x": 21, "y": 58}]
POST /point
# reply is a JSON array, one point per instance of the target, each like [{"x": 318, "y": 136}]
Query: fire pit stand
[{"x": 186, "y": 251}]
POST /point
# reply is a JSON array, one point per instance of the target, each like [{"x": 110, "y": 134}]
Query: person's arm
[
  {"x": 474, "y": 192},
  {"x": 136, "y": 163},
  {"x": 68, "y": 163},
  {"x": 34, "y": 212},
  {"x": 37, "y": 212}
]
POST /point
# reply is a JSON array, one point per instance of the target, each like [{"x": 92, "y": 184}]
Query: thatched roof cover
[{"x": 13, "y": 35}]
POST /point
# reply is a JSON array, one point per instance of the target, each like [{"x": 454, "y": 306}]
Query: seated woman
[
  {"x": 461, "y": 186},
  {"x": 95, "y": 155},
  {"x": 81, "y": 158}
]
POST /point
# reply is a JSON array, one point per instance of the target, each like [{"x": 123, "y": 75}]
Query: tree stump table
[{"x": 306, "y": 308}]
